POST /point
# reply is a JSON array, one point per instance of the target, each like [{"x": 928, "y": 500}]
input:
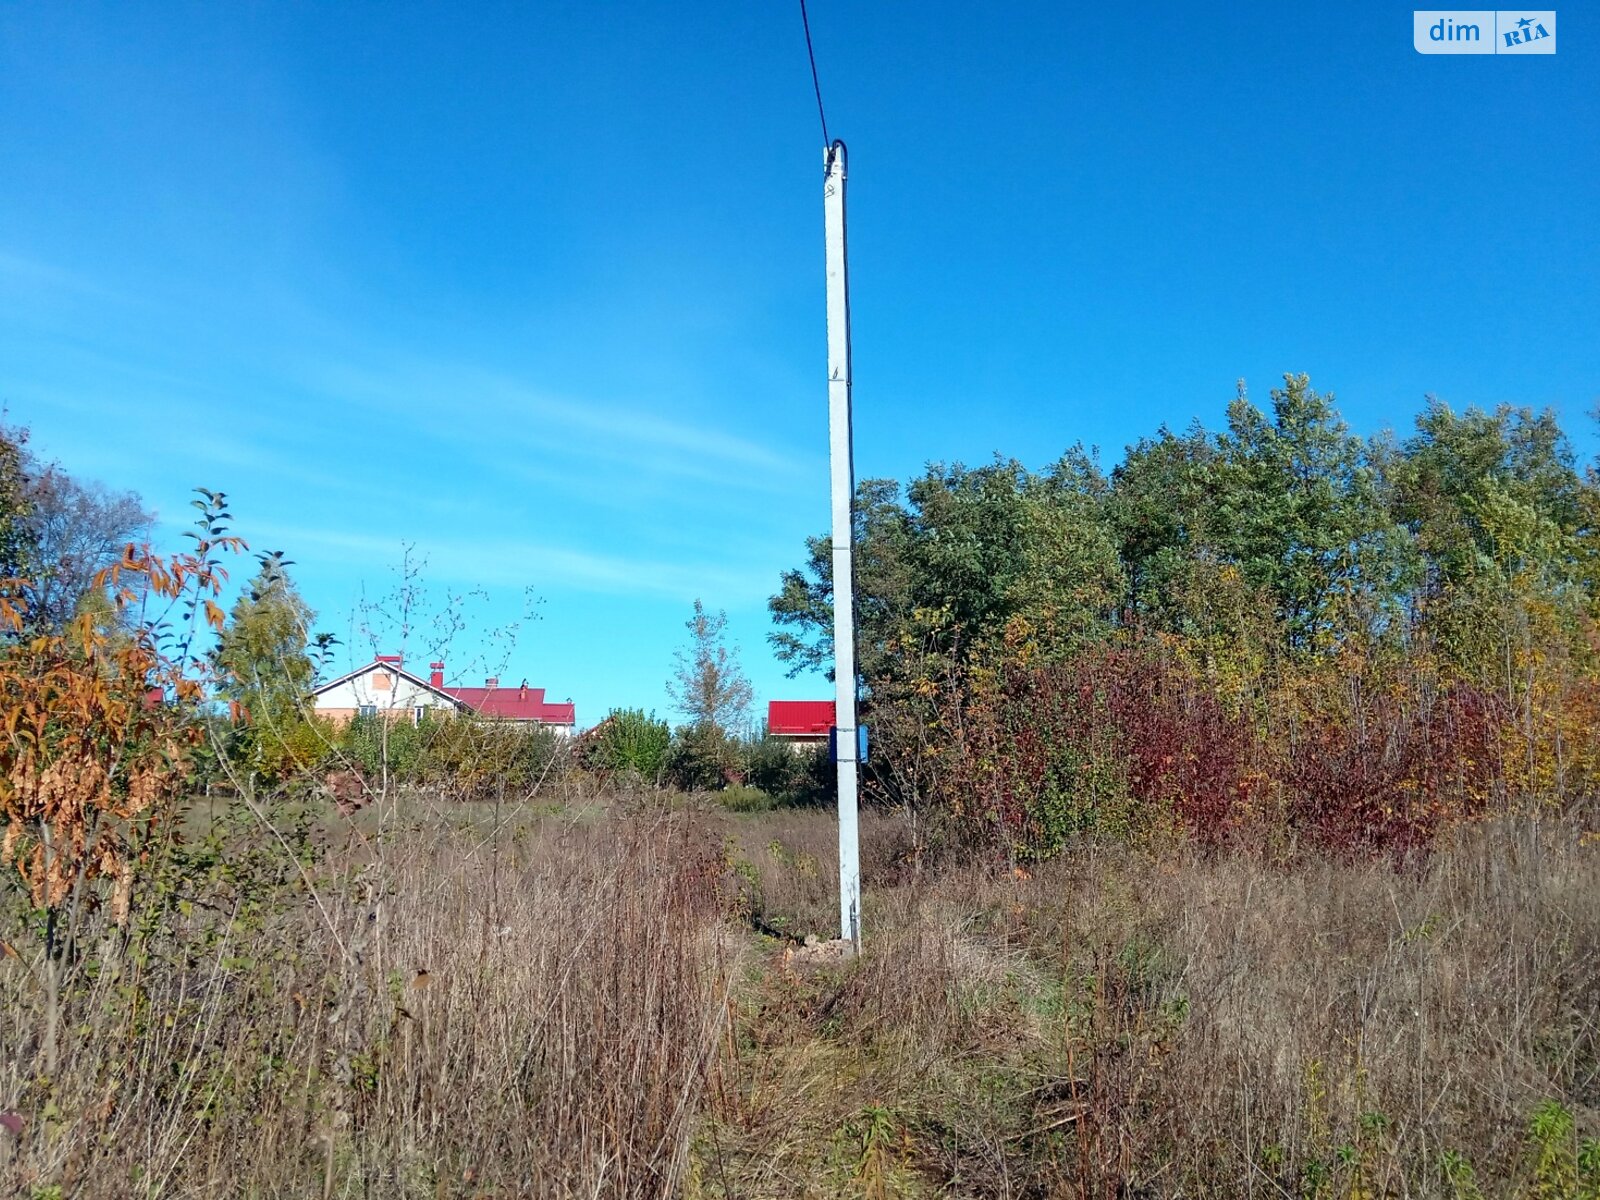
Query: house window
[
  {"x": 421, "y": 711},
  {"x": 369, "y": 710}
]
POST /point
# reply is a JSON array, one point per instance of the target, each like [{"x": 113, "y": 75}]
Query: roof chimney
[
  {"x": 492, "y": 682},
  {"x": 436, "y": 679}
]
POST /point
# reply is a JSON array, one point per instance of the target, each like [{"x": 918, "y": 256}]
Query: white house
[
  {"x": 385, "y": 686},
  {"x": 382, "y": 686}
]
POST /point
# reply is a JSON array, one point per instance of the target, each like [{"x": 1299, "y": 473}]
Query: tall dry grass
[
  {"x": 1121, "y": 1024},
  {"x": 501, "y": 1004},
  {"x": 529, "y": 1013}
]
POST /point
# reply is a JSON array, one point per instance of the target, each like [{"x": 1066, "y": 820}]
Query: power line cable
[{"x": 815, "y": 82}]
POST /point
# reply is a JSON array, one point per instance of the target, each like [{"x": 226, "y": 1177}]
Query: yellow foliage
[{"x": 91, "y": 746}]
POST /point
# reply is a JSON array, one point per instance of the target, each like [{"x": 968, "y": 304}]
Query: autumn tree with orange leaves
[{"x": 99, "y": 728}]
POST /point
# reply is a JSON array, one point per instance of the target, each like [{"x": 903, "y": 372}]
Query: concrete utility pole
[{"x": 842, "y": 468}]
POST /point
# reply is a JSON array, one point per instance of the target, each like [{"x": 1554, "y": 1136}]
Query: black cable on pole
[{"x": 815, "y": 83}]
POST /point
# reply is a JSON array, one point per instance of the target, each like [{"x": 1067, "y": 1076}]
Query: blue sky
[{"x": 537, "y": 288}]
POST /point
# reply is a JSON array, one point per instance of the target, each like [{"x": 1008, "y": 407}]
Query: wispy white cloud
[
  {"x": 23, "y": 275},
  {"x": 653, "y": 431},
  {"x": 506, "y": 416},
  {"x": 528, "y": 563}
]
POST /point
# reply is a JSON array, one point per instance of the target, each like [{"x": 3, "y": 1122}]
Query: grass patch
[{"x": 547, "y": 1002}]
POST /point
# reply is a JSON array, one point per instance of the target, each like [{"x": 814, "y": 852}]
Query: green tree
[
  {"x": 968, "y": 552},
  {"x": 16, "y": 542},
  {"x": 1163, "y": 497},
  {"x": 1279, "y": 532},
  {"x": 708, "y": 685},
  {"x": 262, "y": 655},
  {"x": 1299, "y": 510},
  {"x": 1503, "y": 520},
  {"x": 1070, "y": 580},
  {"x": 802, "y": 610},
  {"x": 1456, "y": 470}
]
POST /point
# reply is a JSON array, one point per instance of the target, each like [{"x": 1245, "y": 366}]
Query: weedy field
[
  {"x": 1237, "y": 840},
  {"x": 609, "y": 996}
]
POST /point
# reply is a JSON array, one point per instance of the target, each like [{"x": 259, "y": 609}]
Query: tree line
[{"x": 1277, "y": 630}]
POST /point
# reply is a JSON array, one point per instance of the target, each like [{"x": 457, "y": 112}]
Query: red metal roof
[
  {"x": 792, "y": 718},
  {"x": 514, "y": 704}
]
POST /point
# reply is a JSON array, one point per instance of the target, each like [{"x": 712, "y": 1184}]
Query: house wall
[
  {"x": 342, "y": 716},
  {"x": 401, "y": 697},
  {"x": 802, "y": 742}
]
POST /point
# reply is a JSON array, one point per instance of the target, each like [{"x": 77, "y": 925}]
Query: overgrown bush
[
  {"x": 1130, "y": 740},
  {"x": 743, "y": 798},
  {"x": 383, "y": 747},
  {"x": 632, "y": 743},
  {"x": 702, "y": 758},
  {"x": 1388, "y": 763},
  {"x": 461, "y": 757},
  {"x": 1109, "y": 742},
  {"x": 294, "y": 744},
  {"x": 793, "y": 776},
  {"x": 473, "y": 758},
  {"x": 770, "y": 764}
]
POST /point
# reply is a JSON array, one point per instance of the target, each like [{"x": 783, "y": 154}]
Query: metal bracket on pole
[{"x": 842, "y": 470}]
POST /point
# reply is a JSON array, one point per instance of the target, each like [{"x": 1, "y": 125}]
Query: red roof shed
[{"x": 799, "y": 718}]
